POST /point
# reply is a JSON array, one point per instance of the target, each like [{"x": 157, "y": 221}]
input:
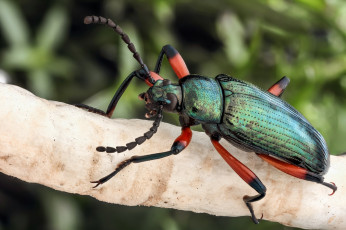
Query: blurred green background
[{"x": 46, "y": 48}]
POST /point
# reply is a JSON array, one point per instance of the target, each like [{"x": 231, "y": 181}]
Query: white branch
[{"x": 53, "y": 144}]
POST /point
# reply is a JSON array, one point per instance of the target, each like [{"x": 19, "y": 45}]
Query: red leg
[
  {"x": 296, "y": 171},
  {"x": 183, "y": 140},
  {"x": 175, "y": 60},
  {"x": 246, "y": 174},
  {"x": 154, "y": 76},
  {"x": 278, "y": 88}
]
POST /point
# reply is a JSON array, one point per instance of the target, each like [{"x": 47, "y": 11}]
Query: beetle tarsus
[
  {"x": 91, "y": 109},
  {"x": 122, "y": 165},
  {"x": 97, "y": 183},
  {"x": 248, "y": 200},
  {"x": 253, "y": 217}
]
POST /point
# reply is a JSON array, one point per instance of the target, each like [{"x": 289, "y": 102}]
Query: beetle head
[{"x": 163, "y": 92}]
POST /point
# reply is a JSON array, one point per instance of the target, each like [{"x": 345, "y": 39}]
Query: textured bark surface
[{"x": 53, "y": 144}]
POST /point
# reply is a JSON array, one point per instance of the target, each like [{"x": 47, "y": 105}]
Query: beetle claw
[
  {"x": 97, "y": 183},
  {"x": 334, "y": 189},
  {"x": 330, "y": 185}
]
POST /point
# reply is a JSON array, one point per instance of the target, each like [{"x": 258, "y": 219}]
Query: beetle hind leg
[{"x": 297, "y": 171}]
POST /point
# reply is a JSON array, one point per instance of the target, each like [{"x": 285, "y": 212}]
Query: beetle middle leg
[{"x": 245, "y": 173}]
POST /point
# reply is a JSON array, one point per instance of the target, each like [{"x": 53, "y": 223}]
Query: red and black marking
[
  {"x": 183, "y": 140},
  {"x": 246, "y": 174},
  {"x": 296, "y": 171},
  {"x": 279, "y": 87},
  {"x": 175, "y": 60},
  {"x": 154, "y": 76}
]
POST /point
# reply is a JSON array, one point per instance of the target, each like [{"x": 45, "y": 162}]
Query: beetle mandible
[{"x": 241, "y": 113}]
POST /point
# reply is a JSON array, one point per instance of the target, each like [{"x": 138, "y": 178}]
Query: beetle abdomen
[{"x": 266, "y": 124}]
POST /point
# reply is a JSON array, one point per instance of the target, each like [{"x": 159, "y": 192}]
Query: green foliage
[{"x": 45, "y": 48}]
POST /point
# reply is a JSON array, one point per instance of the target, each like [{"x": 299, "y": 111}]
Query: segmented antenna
[
  {"x": 138, "y": 140},
  {"x": 108, "y": 22}
]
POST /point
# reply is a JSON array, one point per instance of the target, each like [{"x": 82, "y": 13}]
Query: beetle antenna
[
  {"x": 138, "y": 140},
  {"x": 108, "y": 22}
]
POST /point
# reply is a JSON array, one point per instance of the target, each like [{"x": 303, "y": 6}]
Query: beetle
[{"x": 247, "y": 117}]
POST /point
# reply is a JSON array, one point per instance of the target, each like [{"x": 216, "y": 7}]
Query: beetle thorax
[{"x": 163, "y": 92}]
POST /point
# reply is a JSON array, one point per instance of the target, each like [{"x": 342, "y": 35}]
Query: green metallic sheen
[
  {"x": 202, "y": 99},
  {"x": 258, "y": 121},
  {"x": 159, "y": 92},
  {"x": 246, "y": 116}
]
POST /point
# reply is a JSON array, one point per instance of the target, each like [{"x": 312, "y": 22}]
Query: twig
[{"x": 53, "y": 144}]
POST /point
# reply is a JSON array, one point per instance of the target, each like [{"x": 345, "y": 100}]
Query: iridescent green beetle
[{"x": 241, "y": 113}]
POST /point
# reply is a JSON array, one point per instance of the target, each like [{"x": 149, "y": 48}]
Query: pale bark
[{"x": 53, "y": 144}]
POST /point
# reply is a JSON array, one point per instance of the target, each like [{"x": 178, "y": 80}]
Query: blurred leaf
[
  {"x": 261, "y": 11},
  {"x": 231, "y": 31},
  {"x": 62, "y": 210},
  {"x": 41, "y": 83},
  {"x": 14, "y": 27},
  {"x": 318, "y": 5},
  {"x": 17, "y": 57},
  {"x": 53, "y": 29},
  {"x": 164, "y": 10},
  {"x": 340, "y": 17}
]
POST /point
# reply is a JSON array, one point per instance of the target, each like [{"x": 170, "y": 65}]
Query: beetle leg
[
  {"x": 296, "y": 171},
  {"x": 279, "y": 87},
  {"x": 175, "y": 60},
  {"x": 91, "y": 109},
  {"x": 115, "y": 98},
  {"x": 178, "y": 145},
  {"x": 246, "y": 174}
]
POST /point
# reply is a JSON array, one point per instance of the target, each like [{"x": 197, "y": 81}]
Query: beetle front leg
[
  {"x": 91, "y": 109},
  {"x": 114, "y": 100},
  {"x": 245, "y": 173},
  {"x": 178, "y": 145}
]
